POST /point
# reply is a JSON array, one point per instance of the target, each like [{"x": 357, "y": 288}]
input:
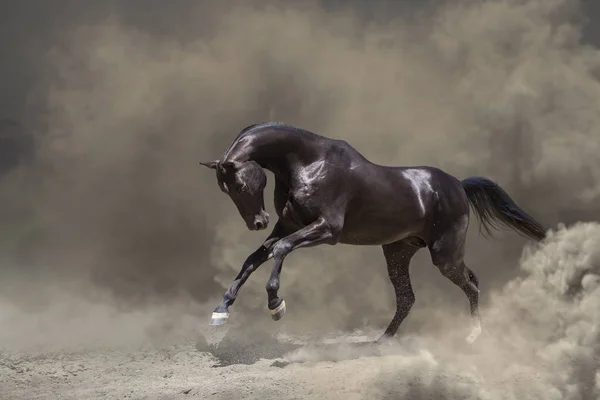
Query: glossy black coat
[{"x": 326, "y": 192}]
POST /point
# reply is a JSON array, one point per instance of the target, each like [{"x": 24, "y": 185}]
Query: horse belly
[{"x": 380, "y": 229}]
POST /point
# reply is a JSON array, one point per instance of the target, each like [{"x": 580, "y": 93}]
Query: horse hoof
[
  {"x": 474, "y": 335},
  {"x": 278, "y": 312},
  {"x": 219, "y": 318},
  {"x": 383, "y": 340}
]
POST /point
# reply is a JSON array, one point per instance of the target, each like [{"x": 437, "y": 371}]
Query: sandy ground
[
  {"x": 342, "y": 368},
  {"x": 188, "y": 370},
  {"x": 80, "y": 350}
]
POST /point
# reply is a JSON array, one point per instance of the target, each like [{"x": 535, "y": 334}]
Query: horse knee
[{"x": 281, "y": 249}]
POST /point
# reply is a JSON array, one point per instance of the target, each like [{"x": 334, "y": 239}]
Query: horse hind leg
[
  {"x": 473, "y": 296},
  {"x": 398, "y": 256},
  {"x": 447, "y": 253},
  {"x": 464, "y": 278}
]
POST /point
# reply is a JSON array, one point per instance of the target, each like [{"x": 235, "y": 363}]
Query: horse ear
[{"x": 210, "y": 164}]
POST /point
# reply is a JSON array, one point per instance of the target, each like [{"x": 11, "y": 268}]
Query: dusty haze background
[{"x": 110, "y": 227}]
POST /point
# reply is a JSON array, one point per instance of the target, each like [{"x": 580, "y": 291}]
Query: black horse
[{"x": 326, "y": 192}]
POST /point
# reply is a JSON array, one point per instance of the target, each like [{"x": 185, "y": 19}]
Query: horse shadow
[
  {"x": 248, "y": 350},
  {"x": 229, "y": 353}
]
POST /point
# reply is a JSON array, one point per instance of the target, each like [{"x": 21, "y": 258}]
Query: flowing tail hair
[{"x": 494, "y": 208}]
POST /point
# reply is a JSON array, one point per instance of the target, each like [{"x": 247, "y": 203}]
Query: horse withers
[{"x": 326, "y": 192}]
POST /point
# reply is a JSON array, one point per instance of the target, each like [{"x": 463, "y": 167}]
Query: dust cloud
[
  {"x": 543, "y": 337},
  {"x": 111, "y": 209}
]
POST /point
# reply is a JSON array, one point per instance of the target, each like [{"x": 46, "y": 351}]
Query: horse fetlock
[
  {"x": 272, "y": 285},
  {"x": 228, "y": 299}
]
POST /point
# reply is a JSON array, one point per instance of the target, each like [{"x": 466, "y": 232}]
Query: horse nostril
[{"x": 259, "y": 225}]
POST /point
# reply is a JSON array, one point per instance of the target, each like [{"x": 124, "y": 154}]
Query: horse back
[{"x": 385, "y": 204}]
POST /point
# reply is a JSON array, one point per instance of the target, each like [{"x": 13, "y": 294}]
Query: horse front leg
[
  {"x": 254, "y": 260},
  {"x": 319, "y": 232}
]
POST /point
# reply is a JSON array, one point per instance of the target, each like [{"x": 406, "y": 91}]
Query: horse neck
[{"x": 279, "y": 151}]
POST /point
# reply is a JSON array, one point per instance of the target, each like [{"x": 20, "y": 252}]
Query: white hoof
[
  {"x": 279, "y": 312},
  {"x": 219, "y": 318},
  {"x": 474, "y": 335}
]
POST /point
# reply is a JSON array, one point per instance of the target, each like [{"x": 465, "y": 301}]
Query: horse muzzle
[{"x": 261, "y": 221}]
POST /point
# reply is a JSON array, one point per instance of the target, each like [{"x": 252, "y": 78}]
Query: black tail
[{"x": 494, "y": 207}]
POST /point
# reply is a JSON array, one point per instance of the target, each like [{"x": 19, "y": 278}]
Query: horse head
[{"x": 244, "y": 183}]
